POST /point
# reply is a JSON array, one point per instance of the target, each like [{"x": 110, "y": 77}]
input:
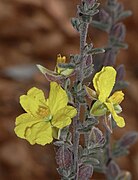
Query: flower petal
[
  {"x": 39, "y": 133},
  {"x": 22, "y": 122},
  {"x": 104, "y": 82},
  {"x": 118, "y": 119},
  {"x": 63, "y": 117},
  {"x": 57, "y": 98},
  {"x": 117, "y": 97},
  {"x": 95, "y": 80},
  {"x": 31, "y": 102}
]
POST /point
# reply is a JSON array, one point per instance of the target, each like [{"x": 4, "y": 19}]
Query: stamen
[{"x": 43, "y": 111}]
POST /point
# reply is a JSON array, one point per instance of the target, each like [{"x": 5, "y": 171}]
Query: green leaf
[
  {"x": 124, "y": 15},
  {"x": 76, "y": 23},
  {"x": 96, "y": 51},
  {"x": 88, "y": 160},
  {"x": 120, "y": 45},
  {"x": 100, "y": 25}
]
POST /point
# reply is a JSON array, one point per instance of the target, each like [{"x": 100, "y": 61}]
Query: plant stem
[
  {"x": 76, "y": 142},
  {"x": 83, "y": 37},
  {"x": 76, "y": 136},
  {"x": 108, "y": 148},
  {"x": 108, "y": 151}
]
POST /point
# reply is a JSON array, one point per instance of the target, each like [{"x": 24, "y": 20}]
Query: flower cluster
[{"x": 45, "y": 117}]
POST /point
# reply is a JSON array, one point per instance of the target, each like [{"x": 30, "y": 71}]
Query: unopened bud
[
  {"x": 64, "y": 157},
  {"x": 113, "y": 170},
  {"x": 109, "y": 58},
  {"x": 104, "y": 16},
  {"x": 96, "y": 136},
  {"x": 90, "y": 93},
  {"x": 85, "y": 172},
  {"x": 90, "y": 2},
  {"x": 120, "y": 72},
  {"x": 118, "y": 31},
  {"x": 120, "y": 8},
  {"x": 128, "y": 139}
]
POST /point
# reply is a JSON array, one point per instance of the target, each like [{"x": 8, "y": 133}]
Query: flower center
[{"x": 44, "y": 112}]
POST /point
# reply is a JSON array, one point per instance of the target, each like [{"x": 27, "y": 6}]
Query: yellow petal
[
  {"x": 31, "y": 102},
  {"x": 61, "y": 59},
  {"x": 63, "y": 117},
  {"x": 104, "y": 82},
  {"x": 95, "y": 80},
  {"x": 39, "y": 133},
  {"x": 118, "y": 119},
  {"x": 57, "y": 98},
  {"x": 23, "y": 122},
  {"x": 98, "y": 109},
  {"x": 117, "y": 97}
]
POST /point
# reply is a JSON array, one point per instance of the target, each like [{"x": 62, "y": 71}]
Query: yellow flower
[
  {"x": 103, "y": 82},
  {"x": 44, "y": 117},
  {"x": 63, "y": 71},
  {"x": 58, "y": 72}
]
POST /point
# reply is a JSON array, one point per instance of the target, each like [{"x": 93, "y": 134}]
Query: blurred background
[{"x": 34, "y": 32}]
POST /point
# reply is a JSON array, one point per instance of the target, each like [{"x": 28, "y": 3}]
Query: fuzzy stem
[
  {"x": 108, "y": 151},
  {"x": 108, "y": 148},
  {"x": 83, "y": 37},
  {"x": 76, "y": 143}
]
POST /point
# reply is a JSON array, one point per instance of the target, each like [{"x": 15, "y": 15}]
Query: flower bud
[
  {"x": 128, "y": 139},
  {"x": 118, "y": 31},
  {"x": 96, "y": 136},
  {"x": 104, "y": 16},
  {"x": 109, "y": 58},
  {"x": 90, "y": 2},
  {"x": 113, "y": 170},
  {"x": 120, "y": 72},
  {"x": 90, "y": 93},
  {"x": 64, "y": 157},
  {"x": 85, "y": 172}
]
